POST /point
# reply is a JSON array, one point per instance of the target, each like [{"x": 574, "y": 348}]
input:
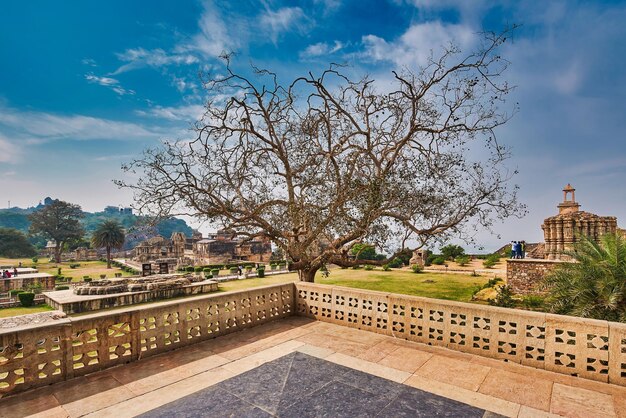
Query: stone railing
[
  {"x": 575, "y": 346},
  {"x": 40, "y": 355}
]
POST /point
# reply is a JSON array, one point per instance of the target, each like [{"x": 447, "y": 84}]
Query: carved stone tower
[{"x": 563, "y": 230}]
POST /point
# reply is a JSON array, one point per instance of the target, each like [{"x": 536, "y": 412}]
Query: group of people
[
  {"x": 6, "y": 274},
  {"x": 518, "y": 249}
]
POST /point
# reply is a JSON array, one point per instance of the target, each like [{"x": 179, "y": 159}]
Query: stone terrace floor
[{"x": 156, "y": 385}]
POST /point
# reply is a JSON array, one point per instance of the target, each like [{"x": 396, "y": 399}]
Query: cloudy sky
[{"x": 85, "y": 86}]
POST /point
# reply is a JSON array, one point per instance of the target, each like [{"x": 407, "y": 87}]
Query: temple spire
[{"x": 568, "y": 205}]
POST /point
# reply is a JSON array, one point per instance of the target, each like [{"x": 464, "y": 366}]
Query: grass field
[
  {"x": 92, "y": 269},
  {"x": 7, "y": 312},
  {"x": 432, "y": 285}
]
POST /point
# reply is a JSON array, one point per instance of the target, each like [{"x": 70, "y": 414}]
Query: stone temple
[{"x": 563, "y": 230}]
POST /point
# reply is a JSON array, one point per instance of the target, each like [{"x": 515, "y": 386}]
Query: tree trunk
[
  {"x": 108, "y": 257},
  {"x": 57, "y": 254},
  {"x": 307, "y": 275}
]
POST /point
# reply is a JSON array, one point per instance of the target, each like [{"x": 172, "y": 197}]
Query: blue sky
[{"x": 85, "y": 86}]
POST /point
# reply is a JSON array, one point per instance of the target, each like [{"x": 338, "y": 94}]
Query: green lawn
[
  {"x": 87, "y": 268},
  {"x": 432, "y": 285},
  {"x": 7, "y": 312}
]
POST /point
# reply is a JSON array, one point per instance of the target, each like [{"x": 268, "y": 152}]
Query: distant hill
[{"x": 138, "y": 228}]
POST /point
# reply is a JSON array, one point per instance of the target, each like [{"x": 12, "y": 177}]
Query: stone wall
[
  {"x": 33, "y": 356},
  {"x": 68, "y": 302},
  {"x": 24, "y": 282},
  {"x": 581, "y": 347},
  {"x": 40, "y": 355},
  {"x": 525, "y": 275}
]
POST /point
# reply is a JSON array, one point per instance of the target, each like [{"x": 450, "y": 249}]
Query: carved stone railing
[
  {"x": 575, "y": 346},
  {"x": 41, "y": 355},
  {"x": 52, "y": 352}
]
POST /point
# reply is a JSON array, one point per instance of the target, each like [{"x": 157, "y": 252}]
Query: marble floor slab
[{"x": 300, "y": 385}]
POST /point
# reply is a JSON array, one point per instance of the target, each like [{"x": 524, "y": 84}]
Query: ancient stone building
[
  {"x": 222, "y": 247},
  {"x": 159, "y": 247},
  {"x": 225, "y": 246},
  {"x": 563, "y": 230}
]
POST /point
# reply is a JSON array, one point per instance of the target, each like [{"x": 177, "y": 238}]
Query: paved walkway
[{"x": 154, "y": 383}]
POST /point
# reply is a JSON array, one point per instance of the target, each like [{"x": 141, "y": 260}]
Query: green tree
[
  {"x": 109, "y": 234},
  {"x": 363, "y": 251},
  {"x": 14, "y": 244},
  {"x": 59, "y": 221},
  {"x": 594, "y": 286},
  {"x": 451, "y": 251}
]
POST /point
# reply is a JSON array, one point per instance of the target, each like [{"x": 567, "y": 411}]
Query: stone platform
[{"x": 69, "y": 302}]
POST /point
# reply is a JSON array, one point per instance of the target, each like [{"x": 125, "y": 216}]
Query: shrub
[
  {"x": 215, "y": 272},
  {"x": 234, "y": 270},
  {"x": 369, "y": 267},
  {"x": 532, "y": 302},
  {"x": 357, "y": 267},
  {"x": 118, "y": 274},
  {"x": 504, "y": 297},
  {"x": 207, "y": 270},
  {"x": 34, "y": 266},
  {"x": 59, "y": 271},
  {"x": 492, "y": 282},
  {"x": 260, "y": 272},
  {"x": 64, "y": 287},
  {"x": 489, "y": 263},
  {"x": 15, "y": 292},
  {"x": 35, "y": 288},
  {"x": 87, "y": 279},
  {"x": 26, "y": 298},
  {"x": 248, "y": 269},
  {"x": 35, "y": 259},
  {"x": 396, "y": 263},
  {"x": 416, "y": 268},
  {"x": 463, "y": 260},
  {"x": 282, "y": 265},
  {"x": 439, "y": 261},
  {"x": 103, "y": 276},
  {"x": 451, "y": 251},
  {"x": 74, "y": 265},
  {"x": 386, "y": 267},
  {"x": 189, "y": 269}
]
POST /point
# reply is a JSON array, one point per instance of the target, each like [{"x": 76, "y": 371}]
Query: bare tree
[{"x": 326, "y": 162}]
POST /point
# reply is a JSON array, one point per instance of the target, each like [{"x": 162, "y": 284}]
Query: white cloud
[
  {"x": 36, "y": 127},
  {"x": 182, "y": 84},
  {"x": 139, "y": 58},
  {"x": 109, "y": 82},
  {"x": 213, "y": 38},
  {"x": 328, "y": 5},
  {"x": 282, "y": 20},
  {"x": 321, "y": 48},
  {"x": 9, "y": 152},
  {"x": 414, "y": 47},
  {"x": 175, "y": 113},
  {"x": 90, "y": 62}
]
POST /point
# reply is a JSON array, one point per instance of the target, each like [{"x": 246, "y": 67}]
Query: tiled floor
[
  {"x": 299, "y": 385},
  {"x": 149, "y": 384}
]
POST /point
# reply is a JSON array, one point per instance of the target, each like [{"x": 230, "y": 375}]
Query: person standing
[
  {"x": 523, "y": 249},
  {"x": 513, "y": 243}
]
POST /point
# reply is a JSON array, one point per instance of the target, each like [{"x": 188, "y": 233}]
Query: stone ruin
[
  {"x": 156, "y": 282},
  {"x": 561, "y": 231}
]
